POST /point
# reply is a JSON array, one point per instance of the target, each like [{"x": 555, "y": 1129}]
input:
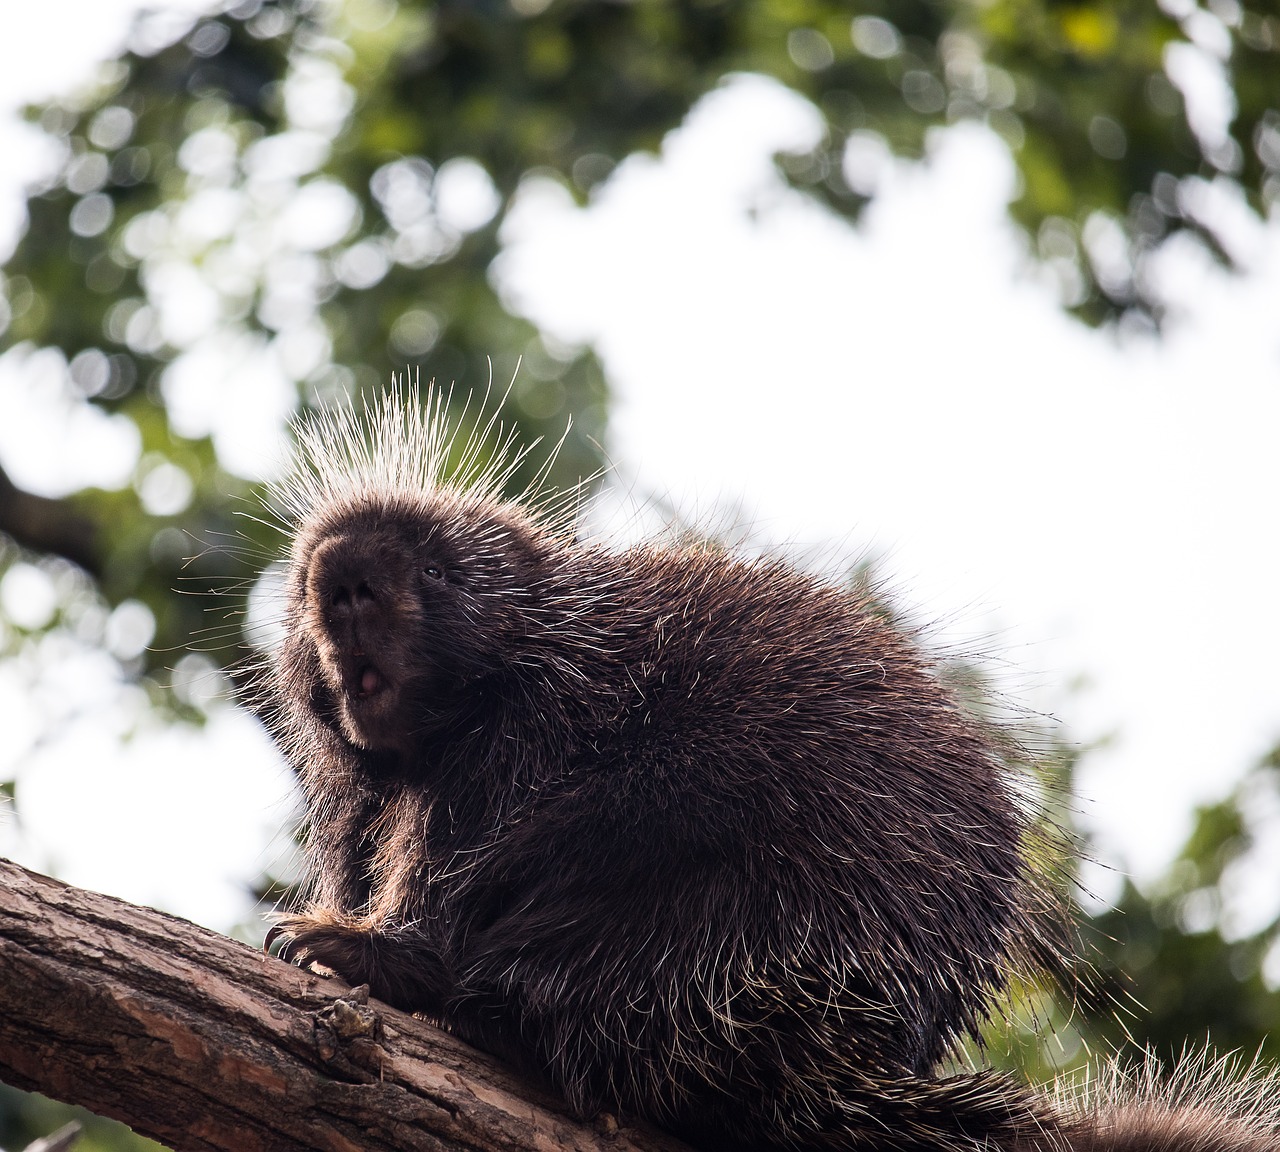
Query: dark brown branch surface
[
  {"x": 203, "y": 1043},
  {"x": 45, "y": 525}
]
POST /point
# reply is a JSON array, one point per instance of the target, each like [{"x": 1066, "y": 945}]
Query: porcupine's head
[{"x": 409, "y": 578}]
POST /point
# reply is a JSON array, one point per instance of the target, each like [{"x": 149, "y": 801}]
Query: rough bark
[{"x": 203, "y": 1043}]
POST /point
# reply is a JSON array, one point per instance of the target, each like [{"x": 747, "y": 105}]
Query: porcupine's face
[{"x": 386, "y": 615}]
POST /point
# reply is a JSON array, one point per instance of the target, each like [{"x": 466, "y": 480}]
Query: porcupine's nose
[
  {"x": 349, "y": 596},
  {"x": 343, "y": 583},
  {"x": 348, "y": 585}
]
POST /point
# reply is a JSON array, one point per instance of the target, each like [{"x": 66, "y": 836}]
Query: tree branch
[
  {"x": 203, "y": 1043},
  {"x": 45, "y": 525}
]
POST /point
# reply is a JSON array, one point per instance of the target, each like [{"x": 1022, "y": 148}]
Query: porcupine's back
[{"x": 793, "y": 731}]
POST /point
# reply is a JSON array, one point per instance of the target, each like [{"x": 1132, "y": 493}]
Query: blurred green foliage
[
  {"x": 1192, "y": 963},
  {"x": 1200, "y": 954},
  {"x": 309, "y": 197},
  {"x": 26, "y": 1116}
]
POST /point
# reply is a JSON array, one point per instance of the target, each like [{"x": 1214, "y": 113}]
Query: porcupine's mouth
[
  {"x": 361, "y": 681},
  {"x": 369, "y": 706},
  {"x": 368, "y": 682}
]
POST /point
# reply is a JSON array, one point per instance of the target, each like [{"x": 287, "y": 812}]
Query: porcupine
[{"x": 698, "y": 838}]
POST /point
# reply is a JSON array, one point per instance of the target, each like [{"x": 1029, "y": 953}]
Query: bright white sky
[{"x": 1101, "y": 520}]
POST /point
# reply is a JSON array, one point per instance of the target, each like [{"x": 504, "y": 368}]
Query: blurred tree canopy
[
  {"x": 288, "y": 196},
  {"x": 285, "y": 201},
  {"x": 1194, "y": 961},
  {"x": 1200, "y": 955}
]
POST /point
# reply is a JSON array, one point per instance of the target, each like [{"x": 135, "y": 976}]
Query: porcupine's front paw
[
  {"x": 401, "y": 965},
  {"x": 344, "y": 946}
]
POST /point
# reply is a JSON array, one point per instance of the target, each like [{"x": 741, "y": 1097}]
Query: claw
[{"x": 285, "y": 935}]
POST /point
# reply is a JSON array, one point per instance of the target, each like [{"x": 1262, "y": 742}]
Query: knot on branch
[{"x": 348, "y": 1035}]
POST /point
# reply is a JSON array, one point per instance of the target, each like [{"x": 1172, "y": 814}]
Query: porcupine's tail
[
  {"x": 981, "y": 1112},
  {"x": 1207, "y": 1104}
]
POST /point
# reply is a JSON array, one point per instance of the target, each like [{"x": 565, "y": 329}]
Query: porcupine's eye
[{"x": 434, "y": 571}]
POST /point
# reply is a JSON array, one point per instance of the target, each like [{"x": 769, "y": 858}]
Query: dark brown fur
[{"x": 701, "y": 839}]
